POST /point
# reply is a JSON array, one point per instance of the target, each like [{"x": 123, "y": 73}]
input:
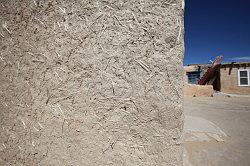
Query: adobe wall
[
  {"x": 91, "y": 82},
  {"x": 198, "y": 90},
  {"x": 229, "y": 83}
]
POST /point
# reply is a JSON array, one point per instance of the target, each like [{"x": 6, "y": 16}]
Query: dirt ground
[{"x": 217, "y": 131}]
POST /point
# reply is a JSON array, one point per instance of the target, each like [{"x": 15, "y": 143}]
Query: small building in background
[
  {"x": 194, "y": 72},
  {"x": 232, "y": 78},
  {"x": 235, "y": 78}
]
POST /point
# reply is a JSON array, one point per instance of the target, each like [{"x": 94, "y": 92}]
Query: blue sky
[{"x": 217, "y": 27}]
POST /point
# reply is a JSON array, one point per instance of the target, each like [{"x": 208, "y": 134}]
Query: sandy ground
[{"x": 217, "y": 131}]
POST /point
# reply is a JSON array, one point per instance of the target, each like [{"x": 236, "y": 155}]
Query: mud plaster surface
[{"x": 91, "y": 82}]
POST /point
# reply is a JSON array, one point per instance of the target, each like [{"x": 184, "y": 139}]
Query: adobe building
[
  {"x": 192, "y": 75},
  {"x": 91, "y": 83},
  {"x": 232, "y": 78},
  {"x": 235, "y": 78}
]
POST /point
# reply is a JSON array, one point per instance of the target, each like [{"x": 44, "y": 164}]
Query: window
[
  {"x": 193, "y": 77},
  {"x": 244, "y": 77}
]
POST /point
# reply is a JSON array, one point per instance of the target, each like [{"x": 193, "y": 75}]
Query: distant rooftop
[
  {"x": 236, "y": 64},
  {"x": 226, "y": 63}
]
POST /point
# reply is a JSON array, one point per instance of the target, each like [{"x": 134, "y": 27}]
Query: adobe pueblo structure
[{"x": 89, "y": 82}]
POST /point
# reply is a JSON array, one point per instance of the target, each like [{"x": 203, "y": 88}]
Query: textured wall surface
[{"x": 91, "y": 82}]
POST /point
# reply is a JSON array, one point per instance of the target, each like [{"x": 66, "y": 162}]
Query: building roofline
[
  {"x": 229, "y": 63},
  {"x": 222, "y": 64},
  {"x": 197, "y": 64},
  {"x": 235, "y": 64}
]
